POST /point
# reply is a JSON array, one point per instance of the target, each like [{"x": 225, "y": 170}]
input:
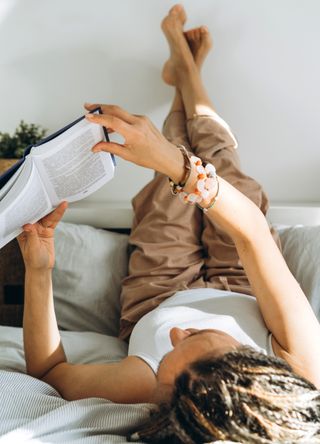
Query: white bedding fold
[{"x": 32, "y": 412}]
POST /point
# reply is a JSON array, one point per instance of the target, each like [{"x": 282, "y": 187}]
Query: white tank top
[{"x": 201, "y": 308}]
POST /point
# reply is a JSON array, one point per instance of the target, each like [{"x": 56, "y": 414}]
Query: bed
[{"x": 90, "y": 263}]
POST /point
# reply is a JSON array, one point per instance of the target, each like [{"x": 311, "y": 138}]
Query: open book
[{"x": 58, "y": 168}]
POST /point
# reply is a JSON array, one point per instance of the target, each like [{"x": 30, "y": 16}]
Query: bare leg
[
  {"x": 166, "y": 235},
  {"x": 174, "y": 127},
  {"x": 177, "y": 103},
  {"x": 198, "y": 40},
  {"x": 200, "y": 43},
  {"x": 211, "y": 139},
  {"x": 181, "y": 69}
]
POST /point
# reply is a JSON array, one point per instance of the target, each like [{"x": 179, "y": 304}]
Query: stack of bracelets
[{"x": 207, "y": 182}]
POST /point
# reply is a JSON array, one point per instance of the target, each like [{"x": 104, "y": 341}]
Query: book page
[
  {"x": 26, "y": 203},
  {"x": 68, "y": 167},
  {"x": 43, "y": 147}
]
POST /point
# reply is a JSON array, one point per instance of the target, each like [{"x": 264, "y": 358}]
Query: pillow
[
  {"x": 301, "y": 250},
  {"x": 90, "y": 264}
]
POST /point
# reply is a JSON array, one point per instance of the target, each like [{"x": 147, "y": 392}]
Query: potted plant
[{"x": 12, "y": 146}]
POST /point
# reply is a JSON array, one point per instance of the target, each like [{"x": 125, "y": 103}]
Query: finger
[
  {"x": 113, "y": 110},
  {"x": 91, "y": 106},
  {"x": 29, "y": 228},
  {"x": 52, "y": 219},
  {"x": 29, "y": 231},
  {"x": 110, "y": 147},
  {"x": 110, "y": 122},
  {"x": 23, "y": 236}
]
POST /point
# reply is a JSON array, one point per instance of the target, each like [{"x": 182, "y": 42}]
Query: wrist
[
  {"x": 201, "y": 184},
  {"x": 38, "y": 272},
  {"x": 173, "y": 164}
]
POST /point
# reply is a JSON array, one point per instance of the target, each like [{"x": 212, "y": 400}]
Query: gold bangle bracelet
[{"x": 176, "y": 187}]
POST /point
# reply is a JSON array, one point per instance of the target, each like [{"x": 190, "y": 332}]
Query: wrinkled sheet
[{"x": 31, "y": 411}]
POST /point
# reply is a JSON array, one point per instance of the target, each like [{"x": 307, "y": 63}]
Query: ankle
[{"x": 186, "y": 72}]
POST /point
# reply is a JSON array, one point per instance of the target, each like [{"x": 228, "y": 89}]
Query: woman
[{"x": 219, "y": 363}]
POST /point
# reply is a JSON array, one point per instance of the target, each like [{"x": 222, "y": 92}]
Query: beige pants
[{"x": 175, "y": 246}]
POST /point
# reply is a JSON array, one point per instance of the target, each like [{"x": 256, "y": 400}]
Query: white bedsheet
[
  {"x": 80, "y": 347},
  {"x": 31, "y": 411}
]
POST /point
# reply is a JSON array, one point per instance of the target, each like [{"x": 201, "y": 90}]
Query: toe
[
  {"x": 189, "y": 35},
  {"x": 179, "y": 11},
  {"x": 197, "y": 34},
  {"x": 206, "y": 37},
  {"x": 175, "y": 9},
  {"x": 194, "y": 34}
]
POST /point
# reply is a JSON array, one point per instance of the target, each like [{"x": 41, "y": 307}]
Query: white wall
[{"x": 263, "y": 76}]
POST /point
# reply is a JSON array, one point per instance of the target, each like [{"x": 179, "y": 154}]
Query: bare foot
[
  {"x": 180, "y": 53},
  {"x": 200, "y": 43}
]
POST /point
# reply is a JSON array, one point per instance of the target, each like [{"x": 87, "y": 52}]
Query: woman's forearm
[
  {"x": 145, "y": 146},
  {"x": 239, "y": 217},
  {"x": 42, "y": 343}
]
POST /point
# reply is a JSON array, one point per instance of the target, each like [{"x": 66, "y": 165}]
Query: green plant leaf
[{"x": 25, "y": 134}]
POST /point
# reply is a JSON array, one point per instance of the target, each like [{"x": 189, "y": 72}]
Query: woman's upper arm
[
  {"x": 128, "y": 381},
  {"x": 284, "y": 306}
]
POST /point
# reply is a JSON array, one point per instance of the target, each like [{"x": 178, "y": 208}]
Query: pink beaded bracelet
[{"x": 207, "y": 180}]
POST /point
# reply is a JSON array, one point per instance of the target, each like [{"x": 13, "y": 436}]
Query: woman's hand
[
  {"x": 37, "y": 240},
  {"x": 144, "y": 145}
]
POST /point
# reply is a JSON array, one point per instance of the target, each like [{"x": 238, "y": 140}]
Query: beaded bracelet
[{"x": 207, "y": 180}]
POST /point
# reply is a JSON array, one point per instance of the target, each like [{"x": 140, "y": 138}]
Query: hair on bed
[{"x": 243, "y": 396}]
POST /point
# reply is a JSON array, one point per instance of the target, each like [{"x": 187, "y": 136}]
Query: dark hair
[{"x": 243, "y": 396}]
